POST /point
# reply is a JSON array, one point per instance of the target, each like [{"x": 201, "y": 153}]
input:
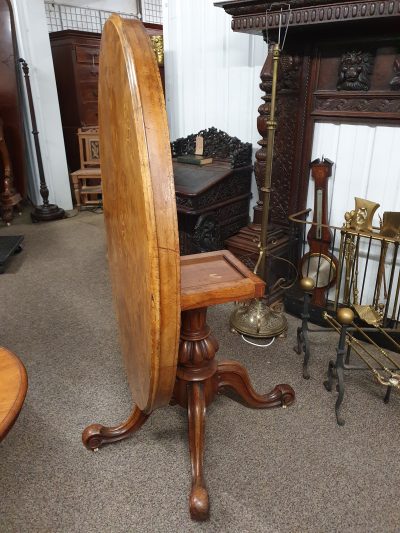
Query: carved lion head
[{"x": 354, "y": 71}]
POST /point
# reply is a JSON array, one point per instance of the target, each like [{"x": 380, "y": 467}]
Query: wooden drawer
[
  {"x": 87, "y": 72},
  {"x": 87, "y": 54},
  {"x": 89, "y": 91},
  {"x": 90, "y": 114}
]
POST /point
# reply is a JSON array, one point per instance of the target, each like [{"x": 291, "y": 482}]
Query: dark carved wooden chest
[
  {"x": 213, "y": 204},
  {"x": 212, "y": 200}
]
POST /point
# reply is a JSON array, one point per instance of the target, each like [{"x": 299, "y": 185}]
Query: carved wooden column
[{"x": 263, "y": 110}]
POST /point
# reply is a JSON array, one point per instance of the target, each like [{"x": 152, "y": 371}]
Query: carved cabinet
[
  {"x": 212, "y": 200},
  {"x": 76, "y": 67}
]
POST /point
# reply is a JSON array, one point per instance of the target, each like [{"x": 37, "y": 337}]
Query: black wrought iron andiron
[
  {"x": 348, "y": 312},
  {"x": 46, "y": 211}
]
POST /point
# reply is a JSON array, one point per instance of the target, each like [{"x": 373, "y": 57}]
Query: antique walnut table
[{"x": 160, "y": 299}]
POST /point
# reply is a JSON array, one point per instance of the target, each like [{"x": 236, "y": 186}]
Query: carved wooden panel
[
  {"x": 252, "y": 17},
  {"x": 357, "y": 80},
  {"x": 341, "y": 62},
  {"x": 289, "y": 136}
]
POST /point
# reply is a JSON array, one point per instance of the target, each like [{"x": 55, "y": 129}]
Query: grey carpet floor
[{"x": 290, "y": 470}]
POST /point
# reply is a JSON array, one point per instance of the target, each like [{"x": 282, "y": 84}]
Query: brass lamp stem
[
  {"x": 266, "y": 189},
  {"x": 255, "y": 318}
]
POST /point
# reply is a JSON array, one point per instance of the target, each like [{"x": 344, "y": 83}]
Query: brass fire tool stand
[{"x": 255, "y": 318}]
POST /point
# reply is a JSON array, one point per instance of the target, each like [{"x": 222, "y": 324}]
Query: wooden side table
[
  {"x": 13, "y": 387},
  {"x": 206, "y": 279},
  {"x": 160, "y": 298}
]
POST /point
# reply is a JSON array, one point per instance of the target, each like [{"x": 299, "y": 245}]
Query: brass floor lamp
[{"x": 255, "y": 318}]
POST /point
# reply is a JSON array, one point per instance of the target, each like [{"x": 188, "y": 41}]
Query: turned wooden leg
[
  {"x": 232, "y": 376},
  {"x": 198, "y": 500},
  {"x": 96, "y": 435},
  {"x": 7, "y": 214},
  {"x": 77, "y": 190}
]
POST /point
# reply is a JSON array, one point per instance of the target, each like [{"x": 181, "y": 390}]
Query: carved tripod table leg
[
  {"x": 233, "y": 377},
  {"x": 198, "y": 500},
  {"x": 96, "y": 435}
]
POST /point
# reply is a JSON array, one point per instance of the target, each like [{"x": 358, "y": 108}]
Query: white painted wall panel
[
  {"x": 211, "y": 73},
  {"x": 366, "y": 165}
]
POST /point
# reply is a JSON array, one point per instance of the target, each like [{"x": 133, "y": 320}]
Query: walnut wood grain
[
  {"x": 96, "y": 435},
  {"x": 140, "y": 211},
  {"x": 13, "y": 387},
  {"x": 198, "y": 499},
  {"x": 233, "y": 377},
  {"x": 215, "y": 278}
]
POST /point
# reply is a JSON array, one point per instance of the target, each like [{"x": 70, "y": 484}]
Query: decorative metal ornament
[
  {"x": 255, "y": 318},
  {"x": 320, "y": 268},
  {"x": 390, "y": 226},
  {"x": 369, "y": 314},
  {"x": 157, "y": 42},
  {"x": 306, "y": 284},
  {"x": 360, "y": 219},
  {"x": 345, "y": 315}
]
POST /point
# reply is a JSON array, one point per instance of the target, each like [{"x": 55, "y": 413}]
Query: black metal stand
[
  {"x": 46, "y": 211},
  {"x": 303, "y": 343},
  {"x": 336, "y": 370}
]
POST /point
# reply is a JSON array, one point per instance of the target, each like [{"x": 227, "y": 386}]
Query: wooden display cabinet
[{"x": 76, "y": 66}]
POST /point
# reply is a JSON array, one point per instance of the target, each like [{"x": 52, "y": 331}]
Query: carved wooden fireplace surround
[{"x": 340, "y": 63}]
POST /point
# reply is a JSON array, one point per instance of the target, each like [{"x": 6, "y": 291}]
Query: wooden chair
[
  {"x": 13, "y": 387},
  {"x": 87, "y": 180},
  {"x": 161, "y": 299}
]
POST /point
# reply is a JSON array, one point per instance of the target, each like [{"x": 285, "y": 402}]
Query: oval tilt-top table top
[
  {"x": 139, "y": 210},
  {"x": 13, "y": 387}
]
